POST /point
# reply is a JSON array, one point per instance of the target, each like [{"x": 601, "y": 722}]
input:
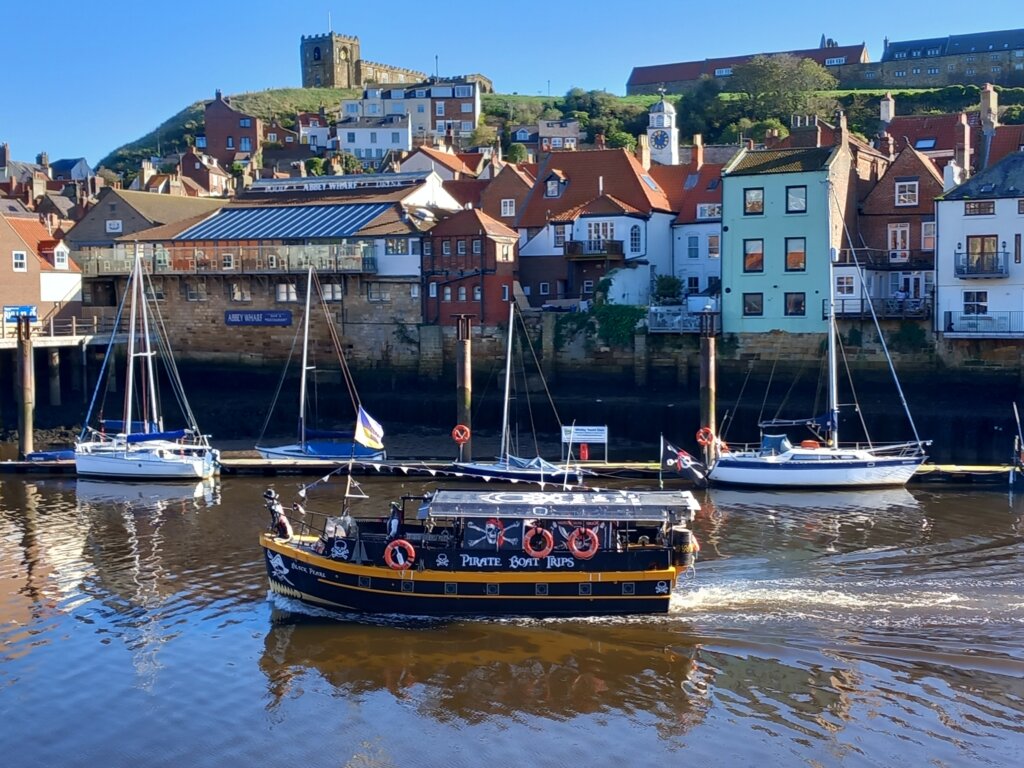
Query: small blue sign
[
  {"x": 258, "y": 317},
  {"x": 12, "y": 313}
]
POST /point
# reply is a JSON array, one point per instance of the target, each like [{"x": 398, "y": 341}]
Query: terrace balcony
[
  {"x": 581, "y": 250},
  {"x": 351, "y": 258},
  {"x": 986, "y": 265},
  {"x": 885, "y": 309},
  {"x": 1005, "y": 324}
]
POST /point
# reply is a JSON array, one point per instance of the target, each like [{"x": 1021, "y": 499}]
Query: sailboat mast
[
  {"x": 833, "y": 373},
  {"x": 505, "y": 447},
  {"x": 154, "y": 415},
  {"x": 130, "y": 362},
  {"x": 305, "y": 362}
]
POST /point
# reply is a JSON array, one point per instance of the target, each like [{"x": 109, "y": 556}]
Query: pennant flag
[
  {"x": 682, "y": 462},
  {"x": 369, "y": 432}
]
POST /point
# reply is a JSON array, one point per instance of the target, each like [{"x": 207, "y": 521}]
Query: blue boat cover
[{"x": 142, "y": 437}]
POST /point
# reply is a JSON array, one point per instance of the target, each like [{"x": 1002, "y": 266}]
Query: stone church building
[{"x": 335, "y": 61}]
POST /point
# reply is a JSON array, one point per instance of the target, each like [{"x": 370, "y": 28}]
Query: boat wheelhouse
[{"x": 492, "y": 553}]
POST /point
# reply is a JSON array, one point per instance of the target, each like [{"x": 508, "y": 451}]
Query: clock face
[{"x": 659, "y": 139}]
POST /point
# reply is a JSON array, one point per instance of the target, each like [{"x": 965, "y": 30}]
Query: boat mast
[
  {"x": 130, "y": 373},
  {"x": 148, "y": 353},
  {"x": 505, "y": 447},
  {"x": 305, "y": 359},
  {"x": 833, "y": 368}
]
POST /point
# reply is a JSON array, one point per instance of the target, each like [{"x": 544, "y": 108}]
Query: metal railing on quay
[
  {"x": 262, "y": 260},
  {"x": 673, "y": 319},
  {"x": 1000, "y": 323},
  {"x": 62, "y": 327},
  {"x": 915, "y": 308}
]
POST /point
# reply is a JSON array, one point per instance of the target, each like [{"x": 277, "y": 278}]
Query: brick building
[{"x": 230, "y": 135}]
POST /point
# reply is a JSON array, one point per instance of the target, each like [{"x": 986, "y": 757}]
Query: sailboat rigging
[
  {"x": 138, "y": 445},
  {"x": 822, "y": 462},
  {"x": 365, "y": 443},
  {"x": 508, "y": 466}
]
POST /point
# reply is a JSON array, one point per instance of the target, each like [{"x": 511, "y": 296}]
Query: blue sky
[{"x": 81, "y": 78}]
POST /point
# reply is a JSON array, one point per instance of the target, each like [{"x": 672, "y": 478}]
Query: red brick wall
[{"x": 223, "y": 122}]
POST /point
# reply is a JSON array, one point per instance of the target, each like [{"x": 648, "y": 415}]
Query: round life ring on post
[
  {"x": 705, "y": 437},
  {"x": 549, "y": 542},
  {"x": 409, "y": 555},
  {"x": 576, "y": 539},
  {"x": 461, "y": 434}
]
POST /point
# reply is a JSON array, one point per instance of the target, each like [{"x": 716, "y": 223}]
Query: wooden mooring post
[
  {"x": 26, "y": 387},
  {"x": 708, "y": 383},
  {"x": 464, "y": 382}
]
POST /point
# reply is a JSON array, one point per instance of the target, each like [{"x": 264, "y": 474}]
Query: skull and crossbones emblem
[{"x": 442, "y": 560}]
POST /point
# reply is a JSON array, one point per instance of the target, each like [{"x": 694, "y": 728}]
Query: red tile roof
[
  {"x": 706, "y": 188},
  {"x": 466, "y": 191},
  {"x": 694, "y": 70},
  {"x": 1007, "y": 140},
  {"x": 946, "y": 130},
  {"x": 604, "y": 205},
  {"x": 39, "y": 240},
  {"x": 588, "y": 174},
  {"x": 450, "y": 161},
  {"x": 471, "y": 222}
]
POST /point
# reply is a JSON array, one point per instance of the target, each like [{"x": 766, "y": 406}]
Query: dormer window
[
  {"x": 552, "y": 188},
  {"x": 522, "y": 135}
]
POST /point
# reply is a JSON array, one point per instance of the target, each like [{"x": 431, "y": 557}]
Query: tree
[
  {"x": 667, "y": 289},
  {"x": 517, "y": 153},
  {"x": 621, "y": 139},
  {"x": 350, "y": 163},
  {"x": 315, "y": 166},
  {"x": 483, "y": 136},
  {"x": 779, "y": 86}
]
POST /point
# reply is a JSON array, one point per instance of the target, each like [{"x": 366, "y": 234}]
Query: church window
[{"x": 316, "y": 53}]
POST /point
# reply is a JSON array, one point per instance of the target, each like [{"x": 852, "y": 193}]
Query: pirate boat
[{"x": 489, "y": 553}]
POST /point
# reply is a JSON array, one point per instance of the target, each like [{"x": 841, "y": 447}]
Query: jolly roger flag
[{"x": 683, "y": 463}]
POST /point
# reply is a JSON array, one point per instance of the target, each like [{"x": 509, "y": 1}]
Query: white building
[
  {"x": 433, "y": 107},
  {"x": 370, "y": 139},
  {"x": 979, "y": 277}
]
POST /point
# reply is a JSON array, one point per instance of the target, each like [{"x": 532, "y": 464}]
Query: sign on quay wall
[
  {"x": 258, "y": 317},
  {"x": 12, "y": 313}
]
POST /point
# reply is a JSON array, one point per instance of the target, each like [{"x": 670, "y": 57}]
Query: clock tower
[{"x": 662, "y": 134}]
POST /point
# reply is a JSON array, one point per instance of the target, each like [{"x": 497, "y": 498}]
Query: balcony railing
[
  {"x": 676, "y": 319},
  {"x": 884, "y": 308},
  {"x": 894, "y": 259},
  {"x": 981, "y": 265},
  {"x": 254, "y": 259},
  {"x": 583, "y": 248},
  {"x": 1007, "y": 323}
]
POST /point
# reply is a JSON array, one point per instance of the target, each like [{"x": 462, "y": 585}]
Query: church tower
[
  {"x": 662, "y": 133},
  {"x": 329, "y": 61}
]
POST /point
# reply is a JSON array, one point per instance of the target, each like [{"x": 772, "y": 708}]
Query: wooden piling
[
  {"x": 464, "y": 381},
  {"x": 54, "y": 371},
  {"x": 26, "y": 380},
  {"x": 708, "y": 377}
]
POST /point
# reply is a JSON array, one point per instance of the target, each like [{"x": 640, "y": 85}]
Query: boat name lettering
[
  {"x": 560, "y": 562},
  {"x": 311, "y": 571},
  {"x": 523, "y": 562},
  {"x": 473, "y": 561},
  {"x": 516, "y": 562}
]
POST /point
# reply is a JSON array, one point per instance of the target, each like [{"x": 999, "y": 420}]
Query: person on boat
[
  {"x": 394, "y": 524},
  {"x": 282, "y": 526}
]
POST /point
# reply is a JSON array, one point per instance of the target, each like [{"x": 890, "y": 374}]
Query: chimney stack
[
  {"x": 952, "y": 175},
  {"x": 643, "y": 152},
  {"x": 887, "y": 145},
  {"x": 698, "y": 150},
  {"x": 963, "y": 145},
  {"x": 989, "y": 109},
  {"x": 5, "y": 155},
  {"x": 43, "y": 160},
  {"x": 887, "y": 109},
  {"x": 842, "y": 134},
  {"x": 599, "y": 140}
]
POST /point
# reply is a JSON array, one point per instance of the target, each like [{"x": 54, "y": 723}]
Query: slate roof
[
  {"x": 694, "y": 70},
  {"x": 12, "y": 207},
  {"x": 764, "y": 161},
  {"x": 977, "y": 42},
  {"x": 162, "y": 209},
  {"x": 1004, "y": 179},
  {"x": 64, "y": 165},
  {"x": 285, "y": 222}
]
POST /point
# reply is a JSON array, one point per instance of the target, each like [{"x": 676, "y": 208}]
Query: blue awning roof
[{"x": 285, "y": 222}]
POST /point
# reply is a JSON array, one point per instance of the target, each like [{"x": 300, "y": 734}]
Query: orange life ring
[
  {"x": 705, "y": 437},
  {"x": 406, "y": 547},
  {"x": 461, "y": 434},
  {"x": 549, "y": 542},
  {"x": 575, "y": 539}
]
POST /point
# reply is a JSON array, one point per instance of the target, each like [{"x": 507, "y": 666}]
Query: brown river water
[{"x": 863, "y": 628}]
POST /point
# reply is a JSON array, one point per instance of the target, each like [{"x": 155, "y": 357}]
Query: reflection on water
[{"x": 863, "y": 628}]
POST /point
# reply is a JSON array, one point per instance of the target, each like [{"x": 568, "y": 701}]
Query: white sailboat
[
  {"x": 137, "y": 445},
  {"x": 821, "y": 462},
  {"x": 508, "y": 466},
  {"x": 364, "y": 444}
]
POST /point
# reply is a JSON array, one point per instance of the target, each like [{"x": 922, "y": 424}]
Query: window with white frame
[
  {"x": 60, "y": 258},
  {"x": 906, "y": 193},
  {"x": 446, "y": 293},
  {"x": 414, "y": 291},
  {"x": 693, "y": 246},
  {"x": 245, "y": 144},
  {"x": 432, "y": 290},
  {"x": 634, "y": 238},
  {"x": 477, "y": 293},
  {"x": 844, "y": 285},
  {"x": 544, "y": 289},
  {"x": 505, "y": 293},
  {"x": 927, "y": 235},
  {"x": 478, "y": 246},
  {"x": 195, "y": 290},
  {"x": 286, "y": 292},
  {"x": 378, "y": 292},
  {"x": 227, "y": 261},
  {"x": 396, "y": 246},
  {"x": 508, "y": 206},
  {"x": 693, "y": 284},
  {"x": 461, "y": 247},
  {"x": 898, "y": 239},
  {"x": 588, "y": 287},
  {"x": 559, "y": 235},
  {"x": 506, "y": 253},
  {"x": 975, "y": 302},
  {"x": 446, "y": 248},
  {"x": 333, "y": 291},
  {"x": 240, "y": 292},
  {"x": 709, "y": 210},
  {"x": 466, "y": 106},
  {"x": 428, "y": 248},
  {"x": 439, "y": 109},
  {"x": 723, "y": 72},
  {"x": 462, "y": 293}
]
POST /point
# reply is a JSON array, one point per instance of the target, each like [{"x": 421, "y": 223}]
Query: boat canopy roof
[
  {"x": 145, "y": 437},
  {"x": 646, "y": 506},
  {"x": 772, "y": 444}
]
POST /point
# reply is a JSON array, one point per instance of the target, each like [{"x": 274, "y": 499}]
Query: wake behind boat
[
  {"x": 365, "y": 443},
  {"x": 489, "y": 553},
  {"x": 138, "y": 445}
]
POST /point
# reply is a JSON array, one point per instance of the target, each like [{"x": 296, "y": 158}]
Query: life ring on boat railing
[
  {"x": 390, "y": 554},
  {"x": 576, "y": 539},
  {"x": 810, "y": 444},
  {"x": 705, "y": 437},
  {"x": 549, "y": 542}
]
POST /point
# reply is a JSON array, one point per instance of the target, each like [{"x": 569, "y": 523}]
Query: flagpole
[{"x": 661, "y": 460}]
